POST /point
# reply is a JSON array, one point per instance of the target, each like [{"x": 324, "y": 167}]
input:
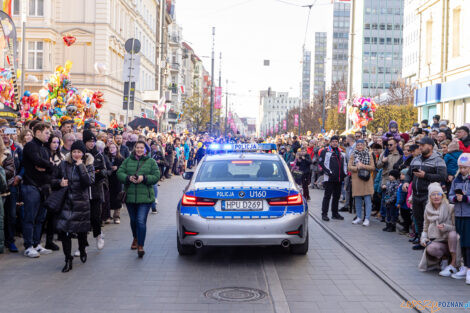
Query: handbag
[
  {"x": 363, "y": 174},
  {"x": 122, "y": 196},
  {"x": 55, "y": 201}
]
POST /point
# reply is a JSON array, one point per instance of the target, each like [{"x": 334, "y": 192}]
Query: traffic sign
[
  {"x": 131, "y": 67},
  {"x": 128, "y": 96},
  {"x": 132, "y": 45}
]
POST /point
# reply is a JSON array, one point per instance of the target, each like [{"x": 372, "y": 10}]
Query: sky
[{"x": 248, "y": 32}]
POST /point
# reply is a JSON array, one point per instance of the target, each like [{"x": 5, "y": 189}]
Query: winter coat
[
  {"x": 333, "y": 163},
  {"x": 304, "y": 164},
  {"x": 142, "y": 192},
  {"x": 464, "y": 145},
  {"x": 359, "y": 186},
  {"x": 378, "y": 181},
  {"x": 403, "y": 163},
  {"x": 8, "y": 164},
  {"x": 387, "y": 167},
  {"x": 435, "y": 169},
  {"x": 451, "y": 159},
  {"x": 389, "y": 134},
  {"x": 124, "y": 151},
  {"x": 17, "y": 154},
  {"x": 462, "y": 209},
  {"x": 401, "y": 198},
  {"x": 36, "y": 155},
  {"x": 115, "y": 186},
  {"x": 75, "y": 214},
  {"x": 102, "y": 170},
  {"x": 3, "y": 183},
  {"x": 390, "y": 192}
]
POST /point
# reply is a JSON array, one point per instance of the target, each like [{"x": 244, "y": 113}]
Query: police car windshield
[{"x": 241, "y": 170}]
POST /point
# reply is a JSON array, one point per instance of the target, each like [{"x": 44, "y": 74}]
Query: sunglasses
[{"x": 390, "y": 145}]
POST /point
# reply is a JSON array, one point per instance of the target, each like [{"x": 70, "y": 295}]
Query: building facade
[
  {"x": 378, "y": 41},
  {"x": 306, "y": 76},
  {"x": 337, "y": 44},
  {"x": 411, "y": 24},
  {"x": 273, "y": 110},
  {"x": 319, "y": 73},
  {"x": 101, "y": 28},
  {"x": 444, "y": 65}
]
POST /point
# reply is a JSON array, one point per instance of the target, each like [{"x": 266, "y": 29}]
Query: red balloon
[{"x": 69, "y": 40}]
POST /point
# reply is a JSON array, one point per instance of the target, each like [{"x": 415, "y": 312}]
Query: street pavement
[{"x": 327, "y": 279}]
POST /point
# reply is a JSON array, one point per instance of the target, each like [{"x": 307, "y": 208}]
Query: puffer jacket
[
  {"x": 143, "y": 192},
  {"x": 333, "y": 163},
  {"x": 436, "y": 171},
  {"x": 75, "y": 214},
  {"x": 451, "y": 159},
  {"x": 462, "y": 209},
  {"x": 102, "y": 171},
  {"x": 8, "y": 164}
]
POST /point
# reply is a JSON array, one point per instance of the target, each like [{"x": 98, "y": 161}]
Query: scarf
[{"x": 362, "y": 156}]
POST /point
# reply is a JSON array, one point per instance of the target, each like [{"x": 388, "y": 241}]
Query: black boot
[
  {"x": 387, "y": 227},
  {"x": 68, "y": 265},
  {"x": 83, "y": 256},
  {"x": 51, "y": 246},
  {"x": 392, "y": 228}
]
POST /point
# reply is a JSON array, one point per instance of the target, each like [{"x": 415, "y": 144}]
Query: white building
[
  {"x": 411, "y": 25},
  {"x": 273, "y": 110}
]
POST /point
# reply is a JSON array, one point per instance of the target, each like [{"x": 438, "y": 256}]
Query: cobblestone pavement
[
  {"x": 391, "y": 253},
  {"x": 328, "y": 279}
]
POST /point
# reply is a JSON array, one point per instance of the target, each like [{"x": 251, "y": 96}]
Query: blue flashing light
[
  {"x": 214, "y": 146},
  {"x": 228, "y": 147}
]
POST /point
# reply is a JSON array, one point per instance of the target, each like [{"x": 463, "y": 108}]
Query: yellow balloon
[
  {"x": 18, "y": 73},
  {"x": 68, "y": 66}
]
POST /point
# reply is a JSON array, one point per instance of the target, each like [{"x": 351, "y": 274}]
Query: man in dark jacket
[
  {"x": 295, "y": 145},
  {"x": 427, "y": 168},
  {"x": 97, "y": 188},
  {"x": 36, "y": 183},
  {"x": 333, "y": 163}
]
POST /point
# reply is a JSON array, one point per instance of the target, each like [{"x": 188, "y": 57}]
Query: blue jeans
[
  {"x": 34, "y": 215},
  {"x": 368, "y": 201},
  {"x": 10, "y": 215},
  {"x": 138, "y": 213},
  {"x": 155, "y": 190}
]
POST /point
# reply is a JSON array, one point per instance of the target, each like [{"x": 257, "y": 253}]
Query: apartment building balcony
[{"x": 175, "y": 67}]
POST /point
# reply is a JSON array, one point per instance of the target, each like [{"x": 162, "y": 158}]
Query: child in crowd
[
  {"x": 390, "y": 199},
  {"x": 460, "y": 196},
  {"x": 402, "y": 206}
]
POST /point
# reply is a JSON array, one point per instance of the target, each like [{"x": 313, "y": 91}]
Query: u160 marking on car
[{"x": 257, "y": 194}]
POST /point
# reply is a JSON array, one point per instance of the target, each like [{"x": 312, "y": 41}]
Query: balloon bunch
[
  {"x": 362, "y": 111},
  {"x": 59, "y": 99},
  {"x": 7, "y": 94}
]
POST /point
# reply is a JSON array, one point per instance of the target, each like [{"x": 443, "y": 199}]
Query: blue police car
[{"x": 242, "y": 198}]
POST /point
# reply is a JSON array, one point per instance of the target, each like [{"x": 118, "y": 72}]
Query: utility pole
[
  {"x": 220, "y": 85},
  {"x": 212, "y": 83},
  {"x": 23, "y": 45},
  {"x": 323, "y": 109},
  {"x": 161, "y": 55},
  {"x": 226, "y": 107},
  {"x": 351, "y": 61}
]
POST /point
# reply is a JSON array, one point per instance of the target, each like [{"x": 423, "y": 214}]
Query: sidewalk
[{"x": 392, "y": 253}]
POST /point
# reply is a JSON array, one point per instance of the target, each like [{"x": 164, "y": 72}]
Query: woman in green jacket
[{"x": 139, "y": 173}]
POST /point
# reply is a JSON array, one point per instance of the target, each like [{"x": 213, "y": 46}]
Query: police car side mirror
[{"x": 188, "y": 175}]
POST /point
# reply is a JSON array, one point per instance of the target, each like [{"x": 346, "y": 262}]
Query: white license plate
[{"x": 245, "y": 205}]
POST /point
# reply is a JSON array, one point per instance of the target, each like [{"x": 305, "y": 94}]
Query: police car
[{"x": 241, "y": 198}]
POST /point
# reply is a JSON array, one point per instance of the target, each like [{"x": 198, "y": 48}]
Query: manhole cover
[{"x": 235, "y": 294}]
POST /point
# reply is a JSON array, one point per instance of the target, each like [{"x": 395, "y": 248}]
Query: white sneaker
[
  {"x": 357, "y": 221},
  {"x": 461, "y": 274},
  {"x": 156, "y": 201},
  {"x": 155, "y": 212},
  {"x": 100, "y": 241},
  {"x": 76, "y": 254},
  {"x": 447, "y": 271},
  {"x": 31, "y": 253},
  {"x": 41, "y": 250},
  {"x": 444, "y": 264},
  {"x": 467, "y": 281},
  {"x": 366, "y": 222}
]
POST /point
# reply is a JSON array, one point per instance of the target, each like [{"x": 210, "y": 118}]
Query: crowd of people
[
  {"x": 57, "y": 182},
  {"x": 415, "y": 182},
  {"x": 60, "y": 183}
]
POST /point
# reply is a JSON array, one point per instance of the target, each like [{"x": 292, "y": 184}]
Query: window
[
  {"x": 396, "y": 41},
  {"x": 233, "y": 170},
  {"x": 389, "y": 27},
  {"x": 389, "y": 41},
  {"x": 367, "y": 26},
  {"x": 456, "y": 33},
  {"x": 374, "y": 26},
  {"x": 381, "y": 41},
  {"x": 397, "y": 27},
  {"x": 373, "y": 40},
  {"x": 382, "y": 26},
  {"x": 428, "y": 42},
  {"x": 16, "y": 7},
  {"x": 367, "y": 40},
  {"x": 35, "y": 55},
  {"x": 381, "y": 70},
  {"x": 365, "y": 85},
  {"x": 36, "y": 7}
]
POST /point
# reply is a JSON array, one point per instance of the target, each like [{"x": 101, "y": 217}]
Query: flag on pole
[
  {"x": 296, "y": 120},
  {"x": 341, "y": 102},
  {"x": 218, "y": 98},
  {"x": 7, "y": 7},
  {"x": 284, "y": 125},
  {"x": 276, "y": 129}
]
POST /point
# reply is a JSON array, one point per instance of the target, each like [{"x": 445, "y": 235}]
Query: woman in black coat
[
  {"x": 77, "y": 174},
  {"x": 303, "y": 161},
  {"x": 115, "y": 186}
]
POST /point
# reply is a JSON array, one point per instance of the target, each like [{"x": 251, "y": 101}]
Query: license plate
[{"x": 245, "y": 205}]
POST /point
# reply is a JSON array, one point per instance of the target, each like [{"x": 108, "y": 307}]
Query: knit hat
[
  {"x": 443, "y": 123},
  {"x": 464, "y": 128},
  {"x": 88, "y": 136},
  {"x": 395, "y": 173},
  {"x": 464, "y": 160},
  {"x": 453, "y": 146},
  {"x": 435, "y": 187},
  {"x": 78, "y": 145},
  {"x": 405, "y": 137},
  {"x": 404, "y": 171},
  {"x": 361, "y": 141}
]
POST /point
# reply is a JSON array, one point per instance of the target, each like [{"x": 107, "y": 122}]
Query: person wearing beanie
[
  {"x": 459, "y": 195},
  {"x": 424, "y": 124},
  {"x": 76, "y": 173},
  {"x": 435, "y": 122},
  {"x": 390, "y": 198},
  {"x": 102, "y": 168},
  {"x": 333, "y": 163},
  {"x": 462, "y": 134},
  {"x": 439, "y": 238}
]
